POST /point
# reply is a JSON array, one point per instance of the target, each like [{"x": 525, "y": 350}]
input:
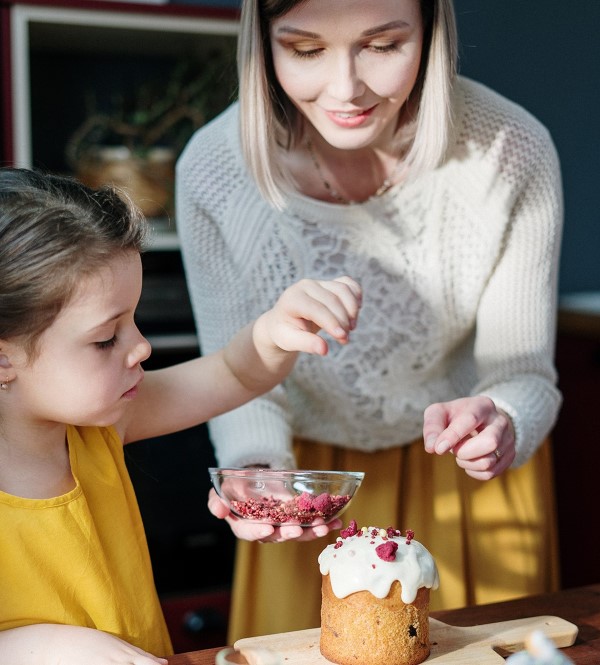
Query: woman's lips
[{"x": 349, "y": 119}]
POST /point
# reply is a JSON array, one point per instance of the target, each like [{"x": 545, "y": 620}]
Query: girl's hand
[
  {"x": 266, "y": 533},
  {"x": 309, "y": 306},
  {"x": 42, "y": 644},
  {"x": 481, "y": 436}
]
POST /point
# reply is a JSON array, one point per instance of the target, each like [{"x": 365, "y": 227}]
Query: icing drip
[{"x": 355, "y": 565}]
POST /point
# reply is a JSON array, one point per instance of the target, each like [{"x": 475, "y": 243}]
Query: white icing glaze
[{"x": 355, "y": 566}]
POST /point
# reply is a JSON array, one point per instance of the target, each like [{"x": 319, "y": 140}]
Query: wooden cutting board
[{"x": 450, "y": 645}]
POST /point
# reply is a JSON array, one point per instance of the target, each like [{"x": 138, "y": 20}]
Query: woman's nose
[{"x": 345, "y": 83}]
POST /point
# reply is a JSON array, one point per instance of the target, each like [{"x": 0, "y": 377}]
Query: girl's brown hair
[{"x": 53, "y": 232}]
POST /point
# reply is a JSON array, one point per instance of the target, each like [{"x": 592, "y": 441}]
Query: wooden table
[{"x": 581, "y": 606}]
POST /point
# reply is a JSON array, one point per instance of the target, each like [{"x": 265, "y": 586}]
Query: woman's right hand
[
  {"x": 266, "y": 533},
  {"x": 45, "y": 644}
]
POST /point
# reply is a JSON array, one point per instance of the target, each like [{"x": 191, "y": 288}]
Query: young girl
[{"x": 76, "y": 582}]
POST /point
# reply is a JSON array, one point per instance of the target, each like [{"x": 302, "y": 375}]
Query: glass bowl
[{"x": 279, "y": 497}]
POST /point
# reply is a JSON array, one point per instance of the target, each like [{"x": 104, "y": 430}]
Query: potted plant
[{"x": 134, "y": 144}]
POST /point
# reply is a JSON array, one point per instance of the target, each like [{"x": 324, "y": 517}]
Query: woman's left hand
[{"x": 481, "y": 436}]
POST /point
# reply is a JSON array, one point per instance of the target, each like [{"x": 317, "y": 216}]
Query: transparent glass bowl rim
[{"x": 284, "y": 474}]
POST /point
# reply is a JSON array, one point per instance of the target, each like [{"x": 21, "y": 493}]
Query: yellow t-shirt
[{"x": 82, "y": 558}]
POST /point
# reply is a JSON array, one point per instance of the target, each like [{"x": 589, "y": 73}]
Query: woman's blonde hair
[{"x": 268, "y": 120}]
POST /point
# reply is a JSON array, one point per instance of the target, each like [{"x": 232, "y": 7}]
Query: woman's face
[{"x": 349, "y": 65}]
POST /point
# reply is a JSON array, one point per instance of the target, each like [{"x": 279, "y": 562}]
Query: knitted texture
[{"x": 459, "y": 272}]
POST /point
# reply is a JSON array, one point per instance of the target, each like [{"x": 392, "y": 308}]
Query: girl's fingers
[{"x": 310, "y": 306}]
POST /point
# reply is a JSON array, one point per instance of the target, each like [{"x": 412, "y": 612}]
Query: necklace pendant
[{"x": 382, "y": 189}]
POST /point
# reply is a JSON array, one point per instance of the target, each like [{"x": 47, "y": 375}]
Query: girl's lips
[
  {"x": 349, "y": 119},
  {"x": 131, "y": 393}
]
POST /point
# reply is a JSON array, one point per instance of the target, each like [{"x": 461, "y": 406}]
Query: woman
[{"x": 356, "y": 148}]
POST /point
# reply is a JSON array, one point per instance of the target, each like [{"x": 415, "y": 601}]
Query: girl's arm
[
  {"x": 48, "y": 644},
  {"x": 259, "y": 357}
]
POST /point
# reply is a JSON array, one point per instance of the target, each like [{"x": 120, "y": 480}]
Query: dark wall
[{"x": 545, "y": 55}]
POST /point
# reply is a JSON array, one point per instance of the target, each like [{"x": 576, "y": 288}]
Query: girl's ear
[{"x": 7, "y": 371}]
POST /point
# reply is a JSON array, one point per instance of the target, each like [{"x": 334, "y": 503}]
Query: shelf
[
  {"x": 579, "y": 314},
  {"x": 58, "y": 54},
  {"x": 163, "y": 236}
]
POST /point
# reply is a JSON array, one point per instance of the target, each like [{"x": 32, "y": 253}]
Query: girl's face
[
  {"x": 349, "y": 65},
  {"x": 88, "y": 365}
]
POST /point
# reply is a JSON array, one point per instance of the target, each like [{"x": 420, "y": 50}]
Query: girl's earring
[{"x": 4, "y": 384}]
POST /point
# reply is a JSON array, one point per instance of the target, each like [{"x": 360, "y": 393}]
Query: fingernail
[
  {"x": 429, "y": 443},
  {"x": 442, "y": 447}
]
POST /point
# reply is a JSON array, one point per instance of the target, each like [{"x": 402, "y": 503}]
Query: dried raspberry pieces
[
  {"x": 386, "y": 550},
  {"x": 302, "y": 509},
  {"x": 350, "y": 530}
]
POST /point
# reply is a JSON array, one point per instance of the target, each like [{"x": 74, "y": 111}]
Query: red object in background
[{"x": 197, "y": 621}]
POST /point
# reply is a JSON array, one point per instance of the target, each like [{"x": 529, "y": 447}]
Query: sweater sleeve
[
  {"x": 220, "y": 234},
  {"x": 516, "y": 321}
]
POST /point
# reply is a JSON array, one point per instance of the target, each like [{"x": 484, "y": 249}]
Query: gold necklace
[{"x": 382, "y": 189}]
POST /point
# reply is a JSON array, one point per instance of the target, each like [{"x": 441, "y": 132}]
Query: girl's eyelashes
[{"x": 107, "y": 344}]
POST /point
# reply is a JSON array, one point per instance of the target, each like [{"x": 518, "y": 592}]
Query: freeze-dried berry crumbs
[
  {"x": 299, "y": 510},
  {"x": 387, "y": 551},
  {"x": 338, "y": 544},
  {"x": 322, "y": 503},
  {"x": 391, "y": 532},
  {"x": 305, "y": 501},
  {"x": 350, "y": 530},
  {"x": 410, "y": 534}
]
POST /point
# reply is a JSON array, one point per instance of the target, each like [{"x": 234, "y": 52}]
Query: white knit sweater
[{"x": 459, "y": 272}]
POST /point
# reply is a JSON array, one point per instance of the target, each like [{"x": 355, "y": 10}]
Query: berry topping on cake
[
  {"x": 387, "y": 551},
  {"x": 350, "y": 530}
]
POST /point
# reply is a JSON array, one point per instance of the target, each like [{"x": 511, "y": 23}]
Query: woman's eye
[
  {"x": 383, "y": 48},
  {"x": 311, "y": 53},
  {"x": 107, "y": 344}
]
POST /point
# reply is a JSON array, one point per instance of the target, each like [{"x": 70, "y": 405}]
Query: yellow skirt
[{"x": 491, "y": 540}]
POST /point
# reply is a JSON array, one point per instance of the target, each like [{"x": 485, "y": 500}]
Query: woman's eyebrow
[
  {"x": 392, "y": 25},
  {"x": 288, "y": 29}
]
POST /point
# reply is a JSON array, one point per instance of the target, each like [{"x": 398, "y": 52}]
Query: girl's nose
[
  {"x": 345, "y": 84},
  {"x": 140, "y": 351}
]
